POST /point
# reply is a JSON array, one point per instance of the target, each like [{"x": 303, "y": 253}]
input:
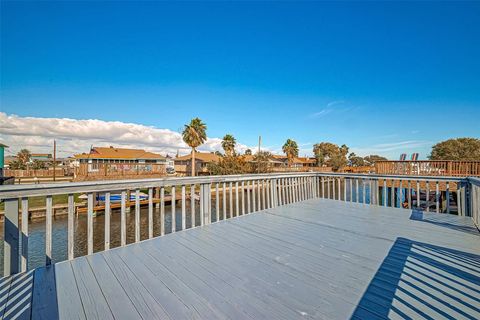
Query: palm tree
[
  {"x": 228, "y": 144},
  {"x": 194, "y": 134},
  {"x": 290, "y": 148}
]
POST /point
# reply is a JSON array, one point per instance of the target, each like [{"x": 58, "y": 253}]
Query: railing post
[
  {"x": 267, "y": 194},
  {"x": 11, "y": 244},
  {"x": 274, "y": 192},
  {"x": 24, "y": 235},
  {"x": 173, "y": 215},
  {"x": 205, "y": 190},
  {"x": 217, "y": 202},
  {"x": 468, "y": 198},
  {"x": 263, "y": 196},
  {"x": 290, "y": 183},
  {"x": 461, "y": 199}
]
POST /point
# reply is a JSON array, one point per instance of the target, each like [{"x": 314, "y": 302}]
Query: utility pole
[
  {"x": 259, "y": 143},
  {"x": 54, "y": 158}
]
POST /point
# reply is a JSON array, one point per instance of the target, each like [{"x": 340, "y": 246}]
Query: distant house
[
  {"x": 111, "y": 162},
  {"x": 183, "y": 164},
  {"x": 280, "y": 163},
  {"x": 307, "y": 162},
  {"x": 119, "y": 155},
  {"x": 41, "y": 157},
  {"x": 297, "y": 162}
]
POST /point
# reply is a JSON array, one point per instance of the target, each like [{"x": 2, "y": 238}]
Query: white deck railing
[
  {"x": 252, "y": 193},
  {"x": 239, "y": 194}
]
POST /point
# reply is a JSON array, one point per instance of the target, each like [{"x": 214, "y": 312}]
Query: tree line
[{"x": 326, "y": 153}]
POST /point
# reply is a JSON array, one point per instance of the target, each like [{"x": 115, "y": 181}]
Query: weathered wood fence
[
  {"x": 429, "y": 168},
  {"x": 107, "y": 171},
  {"x": 30, "y": 173}
]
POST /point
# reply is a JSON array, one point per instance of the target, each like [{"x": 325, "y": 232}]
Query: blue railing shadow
[
  {"x": 420, "y": 280},
  {"x": 29, "y": 295}
]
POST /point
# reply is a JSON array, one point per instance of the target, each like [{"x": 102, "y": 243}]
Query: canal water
[
  {"x": 36, "y": 229},
  {"x": 36, "y": 245}
]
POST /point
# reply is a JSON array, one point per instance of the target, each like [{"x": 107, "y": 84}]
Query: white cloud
[
  {"x": 333, "y": 103},
  {"x": 387, "y": 148},
  {"x": 321, "y": 113},
  {"x": 331, "y": 107},
  {"x": 76, "y": 136}
]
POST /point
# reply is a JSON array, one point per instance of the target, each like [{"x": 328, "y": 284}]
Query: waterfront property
[
  {"x": 43, "y": 157},
  {"x": 183, "y": 164},
  {"x": 282, "y": 246},
  {"x": 118, "y": 163},
  {"x": 279, "y": 163},
  {"x": 298, "y": 163}
]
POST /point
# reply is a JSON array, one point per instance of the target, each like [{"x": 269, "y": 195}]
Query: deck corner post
[
  {"x": 206, "y": 200},
  {"x": 461, "y": 196},
  {"x": 11, "y": 253},
  {"x": 468, "y": 198},
  {"x": 274, "y": 192}
]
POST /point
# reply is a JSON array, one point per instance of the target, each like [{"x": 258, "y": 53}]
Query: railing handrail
[
  {"x": 391, "y": 176},
  {"x": 474, "y": 180},
  {"x": 401, "y": 161},
  {"x": 44, "y": 189}
]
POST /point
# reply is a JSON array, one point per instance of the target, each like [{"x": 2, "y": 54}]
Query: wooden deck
[{"x": 317, "y": 259}]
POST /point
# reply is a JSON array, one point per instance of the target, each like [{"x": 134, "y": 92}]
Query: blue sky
[{"x": 382, "y": 78}]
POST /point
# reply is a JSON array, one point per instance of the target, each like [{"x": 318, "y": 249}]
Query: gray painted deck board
[
  {"x": 164, "y": 289},
  {"x": 44, "y": 300},
  {"x": 314, "y": 259},
  {"x": 205, "y": 286},
  {"x": 93, "y": 300},
  {"x": 221, "y": 280},
  {"x": 144, "y": 302},
  {"x": 69, "y": 301},
  {"x": 116, "y": 297},
  {"x": 197, "y": 303}
]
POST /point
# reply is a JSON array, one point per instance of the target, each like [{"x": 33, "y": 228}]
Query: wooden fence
[
  {"x": 429, "y": 168},
  {"x": 30, "y": 173},
  {"x": 301, "y": 169},
  {"x": 113, "y": 171}
]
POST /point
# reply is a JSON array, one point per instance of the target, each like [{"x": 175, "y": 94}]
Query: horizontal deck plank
[
  {"x": 69, "y": 301},
  {"x": 313, "y": 259}
]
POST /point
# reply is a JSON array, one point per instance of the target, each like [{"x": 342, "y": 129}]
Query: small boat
[{"x": 115, "y": 197}]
